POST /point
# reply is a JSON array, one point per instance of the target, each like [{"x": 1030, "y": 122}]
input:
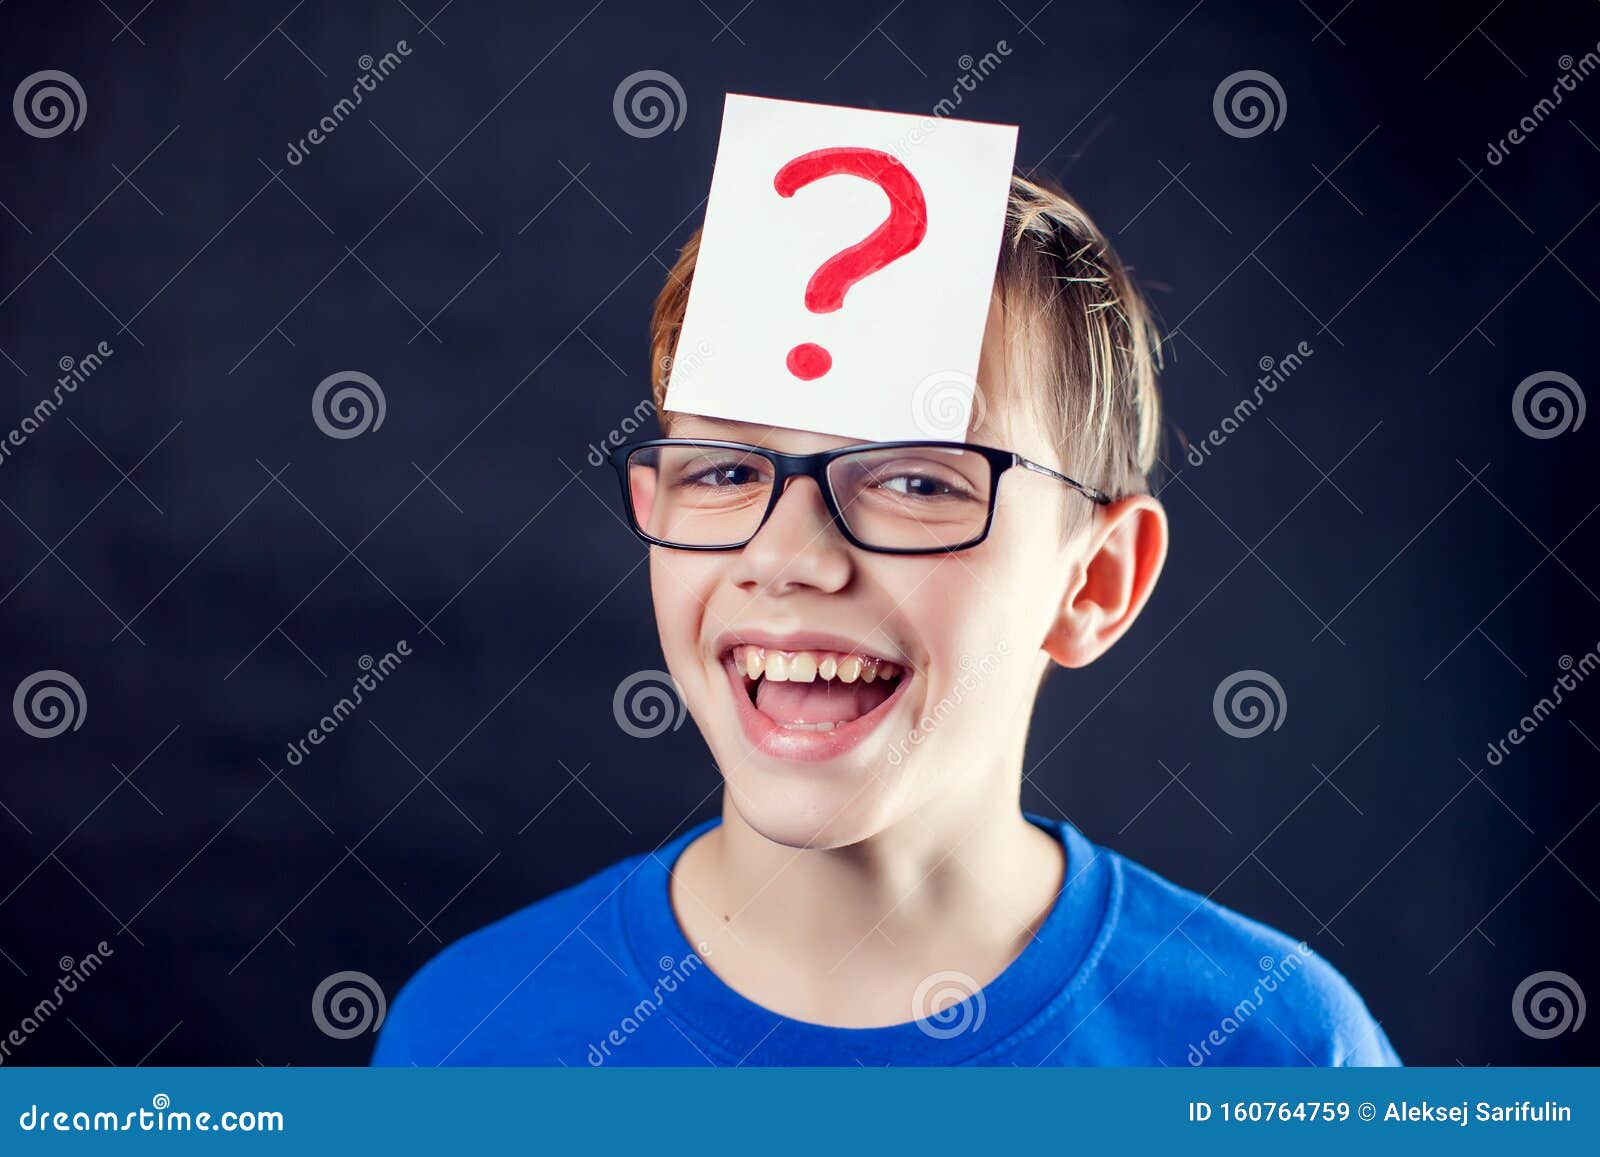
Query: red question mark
[{"x": 901, "y": 232}]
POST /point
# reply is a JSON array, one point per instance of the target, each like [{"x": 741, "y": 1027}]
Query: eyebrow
[{"x": 726, "y": 431}]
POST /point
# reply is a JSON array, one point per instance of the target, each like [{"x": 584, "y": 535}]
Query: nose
[{"x": 799, "y": 547}]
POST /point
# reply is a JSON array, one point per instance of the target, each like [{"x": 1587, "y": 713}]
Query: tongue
[{"x": 823, "y": 701}]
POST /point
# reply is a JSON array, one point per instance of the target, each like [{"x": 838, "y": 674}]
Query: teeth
[{"x": 757, "y": 663}]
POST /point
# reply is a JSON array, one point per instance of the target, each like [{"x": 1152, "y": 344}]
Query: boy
[{"x": 860, "y": 638}]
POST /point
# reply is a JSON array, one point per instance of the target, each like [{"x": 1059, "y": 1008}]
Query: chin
[{"x": 801, "y": 813}]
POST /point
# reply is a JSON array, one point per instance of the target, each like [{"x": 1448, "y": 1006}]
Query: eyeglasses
[{"x": 888, "y": 497}]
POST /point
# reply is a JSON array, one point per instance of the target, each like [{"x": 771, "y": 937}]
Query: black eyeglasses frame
[{"x": 814, "y": 466}]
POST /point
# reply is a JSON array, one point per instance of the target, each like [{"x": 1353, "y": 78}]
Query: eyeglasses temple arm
[{"x": 1099, "y": 497}]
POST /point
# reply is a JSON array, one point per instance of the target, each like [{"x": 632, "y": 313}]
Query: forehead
[{"x": 771, "y": 437}]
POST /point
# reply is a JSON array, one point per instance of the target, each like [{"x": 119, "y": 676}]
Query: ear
[{"x": 1125, "y": 549}]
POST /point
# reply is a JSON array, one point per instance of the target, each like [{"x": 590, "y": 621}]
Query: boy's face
[{"x": 826, "y": 762}]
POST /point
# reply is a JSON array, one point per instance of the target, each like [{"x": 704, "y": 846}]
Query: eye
[
  {"x": 722, "y": 474},
  {"x": 917, "y": 486},
  {"x": 918, "y": 479}
]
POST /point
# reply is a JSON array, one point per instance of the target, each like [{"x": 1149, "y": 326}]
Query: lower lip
[{"x": 774, "y": 739}]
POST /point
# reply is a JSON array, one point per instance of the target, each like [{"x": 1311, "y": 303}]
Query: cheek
[
  {"x": 980, "y": 646},
  {"x": 999, "y": 598},
  {"x": 681, "y": 587},
  {"x": 1031, "y": 560},
  {"x": 674, "y": 593},
  {"x": 963, "y": 607}
]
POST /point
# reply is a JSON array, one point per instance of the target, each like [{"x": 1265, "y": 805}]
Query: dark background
[{"x": 1381, "y": 536}]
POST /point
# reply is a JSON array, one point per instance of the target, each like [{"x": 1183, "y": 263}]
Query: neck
[{"x": 841, "y": 935}]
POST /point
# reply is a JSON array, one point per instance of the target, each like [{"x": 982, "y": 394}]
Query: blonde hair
[{"x": 1080, "y": 328}]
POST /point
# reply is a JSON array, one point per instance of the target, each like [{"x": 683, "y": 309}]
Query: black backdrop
[{"x": 483, "y": 239}]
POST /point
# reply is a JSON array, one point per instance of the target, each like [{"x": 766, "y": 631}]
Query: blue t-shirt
[{"x": 1127, "y": 969}]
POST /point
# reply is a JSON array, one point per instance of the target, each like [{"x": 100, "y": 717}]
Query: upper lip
[{"x": 803, "y": 641}]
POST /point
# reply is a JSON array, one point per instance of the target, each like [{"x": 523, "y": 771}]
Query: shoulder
[
  {"x": 1229, "y": 990},
  {"x": 511, "y": 980}
]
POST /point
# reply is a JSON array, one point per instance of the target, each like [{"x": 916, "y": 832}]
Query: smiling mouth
[{"x": 813, "y": 690}]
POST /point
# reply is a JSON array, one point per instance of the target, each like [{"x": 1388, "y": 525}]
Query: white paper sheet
[{"x": 918, "y": 317}]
